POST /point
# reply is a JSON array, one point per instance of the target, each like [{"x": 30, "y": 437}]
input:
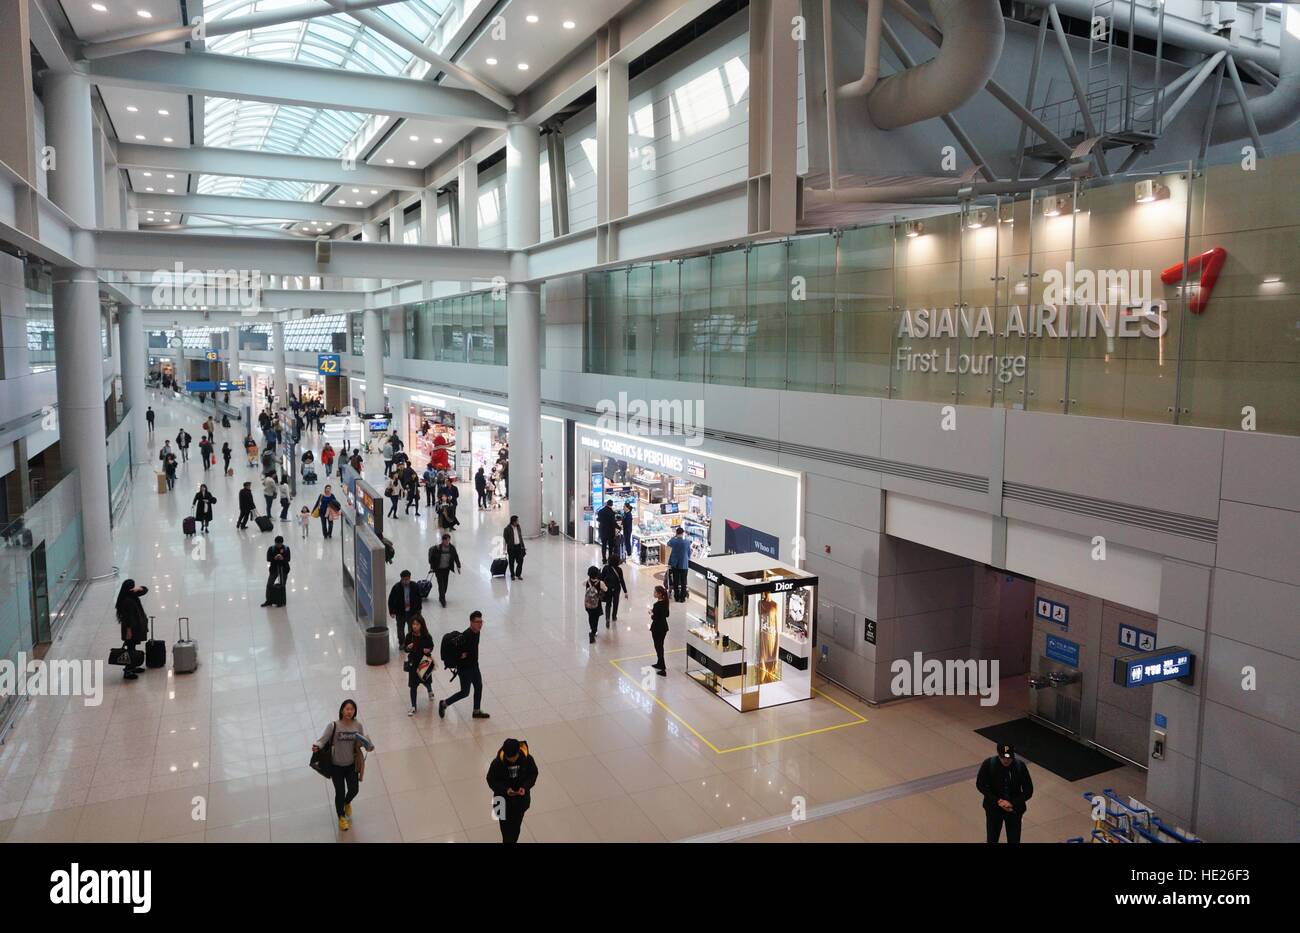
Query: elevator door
[{"x": 40, "y": 601}]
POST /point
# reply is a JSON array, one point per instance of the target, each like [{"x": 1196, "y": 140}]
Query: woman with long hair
[
  {"x": 345, "y": 737},
  {"x": 203, "y": 502},
  {"x": 133, "y": 621},
  {"x": 418, "y": 646}
]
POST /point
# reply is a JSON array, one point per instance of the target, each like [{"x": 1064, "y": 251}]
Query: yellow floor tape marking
[{"x": 858, "y": 720}]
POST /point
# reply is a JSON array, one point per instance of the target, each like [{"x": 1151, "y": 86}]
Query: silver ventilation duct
[
  {"x": 974, "y": 32},
  {"x": 1279, "y": 107}
]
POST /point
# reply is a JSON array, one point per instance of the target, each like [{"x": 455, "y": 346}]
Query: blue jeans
[{"x": 469, "y": 677}]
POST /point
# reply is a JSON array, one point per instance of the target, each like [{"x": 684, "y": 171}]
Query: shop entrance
[{"x": 660, "y": 503}]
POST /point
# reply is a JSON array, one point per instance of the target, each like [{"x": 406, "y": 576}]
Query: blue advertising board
[
  {"x": 327, "y": 364},
  {"x": 1067, "y": 652},
  {"x": 1152, "y": 667},
  {"x": 741, "y": 539},
  {"x": 201, "y": 386}
]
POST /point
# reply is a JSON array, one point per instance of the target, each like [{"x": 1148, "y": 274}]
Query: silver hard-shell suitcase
[{"x": 185, "y": 653}]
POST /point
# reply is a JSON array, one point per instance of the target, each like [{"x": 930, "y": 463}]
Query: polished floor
[{"x": 618, "y": 763}]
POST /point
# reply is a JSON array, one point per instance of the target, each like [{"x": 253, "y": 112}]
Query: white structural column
[
  {"x": 372, "y": 354},
  {"x": 467, "y": 195},
  {"x": 130, "y": 335},
  {"x": 281, "y": 373},
  {"x": 611, "y": 143},
  {"x": 232, "y": 364},
  {"x": 78, "y": 354},
  {"x": 523, "y": 312},
  {"x": 429, "y": 217}
]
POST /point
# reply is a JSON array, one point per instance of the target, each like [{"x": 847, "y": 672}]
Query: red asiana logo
[{"x": 1208, "y": 264}]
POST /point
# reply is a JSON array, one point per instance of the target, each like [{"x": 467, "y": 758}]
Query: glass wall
[
  {"x": 37, "y": 278},
  {"x": 464, "y": 329}
]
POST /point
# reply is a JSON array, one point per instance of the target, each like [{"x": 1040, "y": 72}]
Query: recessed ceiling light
[
  {"x": 138, "y": 136},
  {"x": 144, "y": 14},
  {"x": 131, "y": 108},
  {"x": 531, "y": 17},
  {"x": 171, "y": 190},
  {"x": 373, "y": 191},
  {"x": 389, "y": 161},
  {"x": 414, "y": 139},
  {"x": 99, "y": 8},
  {"x": 170, "y": 175},
  {"x": 168, "y": 139},
  {"x": 410, "y": 161},
  {"x": 569, "y": 24},
  {"x": 522, "y": 66},
  {"x": 437, "y": 140},
  {"x": 490, "y": 61},
  {"x": 343, "y": 200},
  {"x": 148, "y": 189},
  {"x": 163, "y": 113},
  {"x": 358, "y": 204},
  {"x": 148, "y": 174},
  {"x": 356, "y": 190}
]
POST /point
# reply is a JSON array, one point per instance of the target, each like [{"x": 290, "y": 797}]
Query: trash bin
[{"x": 377, "y": 644}]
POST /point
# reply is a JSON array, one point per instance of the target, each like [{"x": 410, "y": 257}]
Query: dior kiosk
[{"x": 754, "y": 645}]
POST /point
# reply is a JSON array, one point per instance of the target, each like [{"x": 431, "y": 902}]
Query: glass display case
[{"x": 753, "y": 646}]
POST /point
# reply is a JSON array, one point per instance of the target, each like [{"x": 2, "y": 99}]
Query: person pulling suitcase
[{"x": 277, "y": 559}]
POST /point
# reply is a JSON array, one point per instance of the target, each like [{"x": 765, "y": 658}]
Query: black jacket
[
  {"x": 659, "y": 617},
  {"x": 480, "y": 481},
  {"x": 991, "y": 783},
  {"x": 246, "y": 501},
  {"x": 397, "y": 602},
  {"x": 416, "y": 648},
  {"x": 513, "y": 537},
  {"x": 132, "y": 618},
  {"x": 605, "y": 519},
  {"x": 468, "y": 648},
  {"x": 203, "y": 506},
  {"x": 522, "y": 772},
  {"x": 270, "y": 556},
  {"x": 433, "y": 557},
  {"x": 612, "y": 576}
]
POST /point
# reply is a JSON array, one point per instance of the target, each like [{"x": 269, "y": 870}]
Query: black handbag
[
  {"x": 125, "y": 657},
  {"x": 321, "y": 760}
]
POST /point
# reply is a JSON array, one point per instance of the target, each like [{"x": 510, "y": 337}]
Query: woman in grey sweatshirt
[{"x": 343, "y": 736}]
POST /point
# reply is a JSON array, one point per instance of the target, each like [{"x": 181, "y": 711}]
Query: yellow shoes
[
  {"x": 347, "y": 810},
  {"x": 344, "y": 823}
]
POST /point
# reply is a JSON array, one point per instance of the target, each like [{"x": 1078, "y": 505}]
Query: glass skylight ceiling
[{"x": 335, "y": 41}]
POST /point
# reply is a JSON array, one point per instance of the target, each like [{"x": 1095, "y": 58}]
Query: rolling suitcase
[
  {"x": 499, "y": 567},
  {"x": 264, "y": 523},
  {"x": 188, "y": 525},
  {"x": 185, "y": 653},
  {"x": 275, "y": 594},
  {"x": 155, "y": 649},
  {"x": 162, "y": 482}
]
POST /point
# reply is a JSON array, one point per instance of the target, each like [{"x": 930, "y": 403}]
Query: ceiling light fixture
[
  {"x": 171, "y": 190},
  {"x": 389, "y": 161},
  {"x": 522, "y": 66},
  {"x": 914, "y": 229},
  {"x": 1149, "y": 190},
  {"x": 144, "y": 14},
  {"x": 132, "y": 108},
  {"x": 414, "y": 139},
  {"x": 976, "y": 219},
  {"x": 164, "y": 113},
  {"x": 168, "y": 139},
  {"x": 531, "y": 17},
  {"x": 358, "y": 204},
  {"x": 170, "y": 175},
  {"x": 569, "y": 24},
  {"x": 148, "y": 174},
  {"x": 490, "y": 61},
  {"x": 99, "y": 8},
  {"x": 148, "y": 189},
  {"x": 410, "y": 161},
  {"x": 374, "y": 191},
  {"x": 139, "y": 137},
  {"x": 437, "y": 140},
  {"x": 356, "y": 190}
]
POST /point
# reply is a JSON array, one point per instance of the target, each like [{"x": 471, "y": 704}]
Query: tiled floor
[{"x": 615, "y": 765}]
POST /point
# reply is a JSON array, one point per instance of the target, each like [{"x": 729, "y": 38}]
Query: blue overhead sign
[
  {"x": 327, "y": 364},
  {"x": 1066, "y": 652},
  {"x": 1152, "y": 667},
  {"x": 211, "y": 356},
  {"x": 200, "y": 387}
]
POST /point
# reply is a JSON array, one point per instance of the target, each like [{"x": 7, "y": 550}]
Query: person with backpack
[
  {"x": 418, "y": 646},
  {"x": 511, "y": 776},
  {"x": 612, "y": 576},
  {"x": 459, "y": 651},
  {"x": 345, "y": 738},
  {"x": 593, "y": 598},
  {"x": 443, "y": 559},
  {"x": 659, "y": 628}
]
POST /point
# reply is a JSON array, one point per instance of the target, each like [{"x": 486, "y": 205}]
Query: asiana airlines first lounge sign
[{"x": 1033, "y": 322}]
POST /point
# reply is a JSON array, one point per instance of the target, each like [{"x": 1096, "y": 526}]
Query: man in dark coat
[
  {"x": 1004, "y": 781},
  {"x": 606, "y": 523},
  {"x": 247, "y": 505},
  {"x": 404, "y": 601},
  {"x": 511, "y": 776}
]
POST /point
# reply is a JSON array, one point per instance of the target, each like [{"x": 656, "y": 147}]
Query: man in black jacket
[
  {"x": 247, "y": 506},
  {"x": 606, "y": 520},
  {"x": 466, "y": 668},
  {"x": 514, "y": 539},
  {"x": 277, "y": 561},
  {"x": 403, "y": 602},
  {"x": 1004, "y": 781},
  {"x": 511, "y": 776},
  {"x": 443, "y": 559}
]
